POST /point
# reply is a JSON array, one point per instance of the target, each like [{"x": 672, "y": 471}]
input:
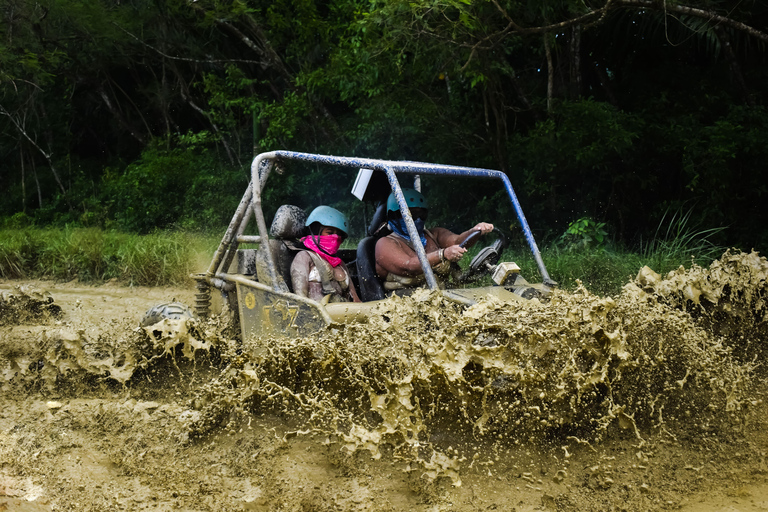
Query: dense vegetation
[
  {"x": 170, "y": 258},
  {"x": 137, "y": 115}
]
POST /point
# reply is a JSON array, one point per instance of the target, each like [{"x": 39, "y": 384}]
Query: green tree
[{"x": 612, "y": 110}]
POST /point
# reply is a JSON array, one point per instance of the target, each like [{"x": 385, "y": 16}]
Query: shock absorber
[{"x": 202, "y": 297}]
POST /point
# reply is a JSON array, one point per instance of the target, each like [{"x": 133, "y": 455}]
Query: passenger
[
  {"x": 396, "y": 261},
  {"x": 317, "y": 272}
]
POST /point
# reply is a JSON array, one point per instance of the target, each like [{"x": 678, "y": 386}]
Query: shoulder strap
[
  {"x": 433, "y": 237},
  {"x": 398, "y": 238},
  {"x": 294, "y": 245},
  {"x": 409, "y": 243},
  {"x": 325, "y": 271}
]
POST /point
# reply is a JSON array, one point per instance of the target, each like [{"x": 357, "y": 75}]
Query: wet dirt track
[{"x": 650, "y": 400}]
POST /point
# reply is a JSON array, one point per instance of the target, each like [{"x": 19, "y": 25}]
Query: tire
[{"x": 170, "y": 310}]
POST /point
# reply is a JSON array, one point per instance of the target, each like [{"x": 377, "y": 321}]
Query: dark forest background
[{"x": 140, "y": 115}]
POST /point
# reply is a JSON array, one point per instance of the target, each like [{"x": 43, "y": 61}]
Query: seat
[
  {"x": 378, "y": 226},
  {"x": 287, "y": 227},
  {"x": 369, "y": 283}
]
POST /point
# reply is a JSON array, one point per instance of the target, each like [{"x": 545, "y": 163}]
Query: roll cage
[
  {"x": 262, "y": 166},
  {"x": 250, "y": 206}
]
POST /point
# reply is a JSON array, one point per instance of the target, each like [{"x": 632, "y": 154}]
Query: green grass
[
  {"x": 94, "y": 255},
  {"x": 604, "y": 269},
  {"x": 168, "y": 258},
  {"x": 602, "y": 273},
  {"x": 677, "y": 239}
]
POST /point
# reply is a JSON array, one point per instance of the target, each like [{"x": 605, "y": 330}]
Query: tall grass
[
  {"x": 676, "y": 239},
  {"x": 168, "y": 258},
  {"x": 605, "y": 271},
  {"x": 601, "y": 272},
  {"x": 93, "y": 255}
]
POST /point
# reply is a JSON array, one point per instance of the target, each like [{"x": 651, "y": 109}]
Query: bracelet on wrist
[{"x": 441, "y": 253}]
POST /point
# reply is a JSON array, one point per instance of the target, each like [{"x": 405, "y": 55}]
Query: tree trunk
[
  {"x": 550, "y": 74},
  {"x": 22, "y": 130},
  {"x": 37, "y": 184},
  {"x": 602, "y": 76},
  {"x": 23, "y": 183},
  {"x": 497, "y": 107},
  {"x": 575, "y": 51},
  {"x": 205, "y": 114},
  {"x": 733, "y": 63},
  {"x": 710, "y": 15},
  {"x": 49, "y": 154},
  {"x": 164, "y": 102},
  {"x": 272, "y": 60},
  {"x": 118, "y": 116},
  {"x": 523, "y": 97}
]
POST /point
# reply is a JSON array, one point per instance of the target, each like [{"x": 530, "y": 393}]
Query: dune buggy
[{"x": 255, "y": 282}]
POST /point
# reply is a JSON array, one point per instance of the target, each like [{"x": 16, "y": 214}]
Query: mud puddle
[{"x": 650, "y": 400}]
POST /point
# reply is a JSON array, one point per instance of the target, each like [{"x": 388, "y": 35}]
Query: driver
[
  {"x": 396, "y": 261},
  {"x": 317, "y": 272}
]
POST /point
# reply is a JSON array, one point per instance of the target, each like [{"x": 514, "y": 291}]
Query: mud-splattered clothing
[{"x": 315, "y": 278}]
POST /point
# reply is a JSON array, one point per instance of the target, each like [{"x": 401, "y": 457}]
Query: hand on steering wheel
[
  {"x": 486, "y": 258},
  {"x": 454, "y": 252},
  {"x": 483, "y": 227}
]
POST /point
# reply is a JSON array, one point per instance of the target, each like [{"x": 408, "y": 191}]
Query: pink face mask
[{"x": 325, "y": 246}]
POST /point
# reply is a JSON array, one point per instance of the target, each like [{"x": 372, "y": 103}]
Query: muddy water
[{"x": 648, "y": 400}]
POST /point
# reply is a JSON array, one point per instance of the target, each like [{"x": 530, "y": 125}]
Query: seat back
[
  {"x": 287, "y": 227},
  {"x": 378, "y": 226},
  {"x": 370, "y": 284}
]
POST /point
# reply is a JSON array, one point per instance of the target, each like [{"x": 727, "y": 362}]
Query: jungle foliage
[
  {"x": 168, "y": 258},
  {"x": 139, "y": 115}
]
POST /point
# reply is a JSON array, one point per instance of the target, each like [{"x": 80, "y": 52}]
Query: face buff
[
  {"x": 399, "y": 227},
  {"x": 325, "y": 246}
]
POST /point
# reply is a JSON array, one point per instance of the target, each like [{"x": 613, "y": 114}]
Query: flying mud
[{"x": 651, "y": 399}]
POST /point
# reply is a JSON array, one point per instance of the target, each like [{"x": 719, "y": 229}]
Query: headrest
[{"x": 288, "y": 223}]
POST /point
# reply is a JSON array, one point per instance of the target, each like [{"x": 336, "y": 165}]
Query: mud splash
[
  {"x": 45, "y": 353},
  {"x": 437, "y": 391},
  {"x": 444, "y": 388},
  {"x": 729, "y": 299},
  {"x": 27, "y": 305}
]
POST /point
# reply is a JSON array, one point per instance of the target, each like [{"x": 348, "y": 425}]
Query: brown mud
[{"x": 650, "y": 400}]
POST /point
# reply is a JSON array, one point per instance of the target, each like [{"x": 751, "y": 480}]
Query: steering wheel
[
  {"x": 469, "y": 238},
  {"x": 486, "y": 258}
]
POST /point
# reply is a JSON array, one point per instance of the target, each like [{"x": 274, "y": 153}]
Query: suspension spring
[{"x": 203, "y": 299}]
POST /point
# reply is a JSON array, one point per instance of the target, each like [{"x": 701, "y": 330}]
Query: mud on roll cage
[{"x": 250, "y": 204}]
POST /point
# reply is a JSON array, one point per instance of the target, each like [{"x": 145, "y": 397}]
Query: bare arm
[
  {"x": 300, "y": 273},
  {"x": 447, "y": 238},
  {"x": 352, "y": 291},
  {"x": 450, "y": 241},
  {"x": 396, "y": 257}
]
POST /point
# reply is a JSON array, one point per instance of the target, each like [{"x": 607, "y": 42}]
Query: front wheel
[{"x": 170, "y": 310}]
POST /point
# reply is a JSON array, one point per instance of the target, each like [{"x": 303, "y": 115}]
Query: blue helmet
[
  {"x": 413, "y": 198},
  {"x": 327, "y": 216}
]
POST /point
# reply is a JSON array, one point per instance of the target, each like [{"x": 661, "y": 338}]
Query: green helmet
[
  {"x": 327, "y": 216},
  {"x": 413, "y": 198}
]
